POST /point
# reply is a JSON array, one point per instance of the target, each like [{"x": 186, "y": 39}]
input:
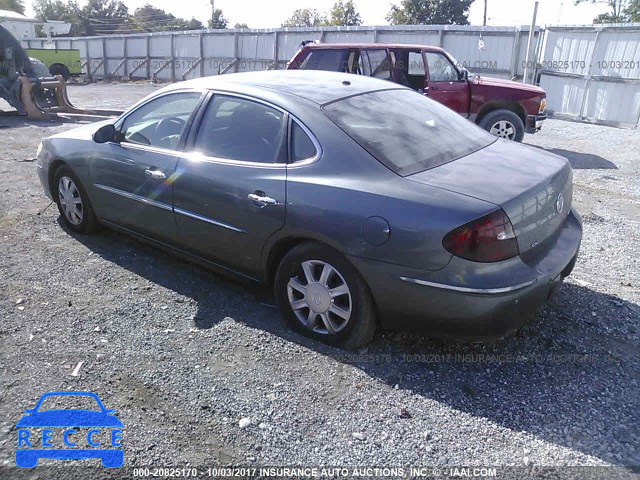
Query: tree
[
  {"x": 66, "y": 11},
  {"x": 105, "y": 17},
  {"x": 218, "y": 22},
  {"x": 305, "y": 17},
  {"x": 632, "y": 11},
  {"x": 621, "y": 11},
  {"x": 194, "y": 24},
  {"x": 13, "y": 5},
  {"x": 151, "y": 19},
  {"x": 430, "y": 12},
  {"x": 241, "y": 25},
  {"x": 344, "y": 14}
]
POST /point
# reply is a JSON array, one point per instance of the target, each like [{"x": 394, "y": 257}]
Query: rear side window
[
  {"x": 239, "y": 129},
  {"x": 329, "y": 60},
  {"x": 416, "y": 64},
  {"x": 381, "y": 63},
  {"x": 405, "y": 131},
  {"x": 302, "y": 147}
]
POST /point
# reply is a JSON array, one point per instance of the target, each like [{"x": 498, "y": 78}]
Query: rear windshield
[
  {"x": 406, "y": 131},
  {"x": 330, "y": 60}
]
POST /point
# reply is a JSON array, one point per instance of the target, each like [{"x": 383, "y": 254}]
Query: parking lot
[{"x": 202, "y": 371}]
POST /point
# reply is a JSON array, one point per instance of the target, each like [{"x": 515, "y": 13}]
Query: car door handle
[
  {"x": 155, "y": 174},
  {"x": 261, "y": 200}
]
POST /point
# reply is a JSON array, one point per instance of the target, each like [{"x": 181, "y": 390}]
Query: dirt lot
[{"x": 183, "y": 356}]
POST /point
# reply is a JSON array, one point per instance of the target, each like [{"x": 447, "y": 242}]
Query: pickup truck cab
[{"x": 505, "y": 108}]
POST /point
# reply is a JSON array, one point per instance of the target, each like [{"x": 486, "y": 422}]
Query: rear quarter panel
[{"x": 330, "y": 201}]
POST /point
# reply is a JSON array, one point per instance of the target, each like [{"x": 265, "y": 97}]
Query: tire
[
  {"x": 355, "y": 325},
  {"x": 73, "y": 202},
  {"x": 504, "y": 124},
  {"x": 59, "y": 69}
]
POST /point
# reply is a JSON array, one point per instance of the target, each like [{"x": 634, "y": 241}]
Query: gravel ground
[{"x": 202, "y": 371}]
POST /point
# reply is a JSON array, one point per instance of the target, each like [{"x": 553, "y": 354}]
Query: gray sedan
[{"x": 362, "y": 202}]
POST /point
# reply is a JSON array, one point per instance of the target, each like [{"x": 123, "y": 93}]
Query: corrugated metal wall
[
  {"x": 593, "y": 73},
  {"x": 182, "y": 55},
  {"x": 590, "y": 73}
]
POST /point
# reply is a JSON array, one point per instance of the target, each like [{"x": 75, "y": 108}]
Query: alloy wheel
[
  {"x": 320, "y": 297},
  {"x": 503, "y": 129},
  {"x": 70, "y": 200}
]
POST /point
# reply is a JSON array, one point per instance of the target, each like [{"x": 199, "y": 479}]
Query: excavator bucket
[
  {"x": 37, "y": 97},
  {"x": 44, "y": 98}
]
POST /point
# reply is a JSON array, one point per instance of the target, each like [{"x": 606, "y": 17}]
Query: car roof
[
  {"x": 315, "y": 86},
  {"x": 324, "y": 46}
]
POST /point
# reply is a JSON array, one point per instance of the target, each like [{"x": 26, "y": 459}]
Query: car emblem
[{"x": 560, "y": 203}]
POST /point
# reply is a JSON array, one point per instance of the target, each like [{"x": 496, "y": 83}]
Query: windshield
[
  {"x": 406, "y": 131},
  {"x": 332, "y": 60},
  {"x": 459, "y": 65}
]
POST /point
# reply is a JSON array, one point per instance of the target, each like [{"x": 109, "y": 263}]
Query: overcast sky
[{"x": 271, "y": 13}]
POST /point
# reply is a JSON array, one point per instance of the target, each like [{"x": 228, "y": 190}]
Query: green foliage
[
  {"x": 344, "y": 14},
  {"x": 305, "y": 17},
  {"x": 621, "y": 11},
  {"x": 218, "y": 22},
  {"x": 151, "y": 19},
  {"x": 13, "y": 5},
  {"x": 101, "y": 17},
  {"x": 241, "y": 25},
  {"x": 632, "y": 12},
  {"x": 430, "y": 12},
  {"x": 105, "y": 17},
  {"x": 66, "y": 11}
]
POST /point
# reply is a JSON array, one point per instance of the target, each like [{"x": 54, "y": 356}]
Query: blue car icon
[{"x": 109, "y": 452}]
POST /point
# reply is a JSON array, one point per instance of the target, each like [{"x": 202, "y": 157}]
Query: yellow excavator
[{"x": 34, "y": 93}]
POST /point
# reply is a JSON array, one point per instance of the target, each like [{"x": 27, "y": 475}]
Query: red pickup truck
[{"x": 505, "y": 108}]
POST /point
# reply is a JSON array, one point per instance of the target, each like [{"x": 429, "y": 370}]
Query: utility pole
[
  {"x": 213, "y": 14},
  {"x": 484, "y": 23},
  {"x": 530, "y": 42}
]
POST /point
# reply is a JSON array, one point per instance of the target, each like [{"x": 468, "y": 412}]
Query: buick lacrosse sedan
[{"x": 362, "y": 202}]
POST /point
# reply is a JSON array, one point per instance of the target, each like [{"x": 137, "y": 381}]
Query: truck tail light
[{"x": 487, "y": 239}]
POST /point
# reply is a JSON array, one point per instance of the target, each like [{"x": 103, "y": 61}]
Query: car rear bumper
[
  {"x": 534, "y": 123},
  {"x": 495, "y": 299}
]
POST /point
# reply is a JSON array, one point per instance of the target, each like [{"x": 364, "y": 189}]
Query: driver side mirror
[{"x": 106, "y": 133}]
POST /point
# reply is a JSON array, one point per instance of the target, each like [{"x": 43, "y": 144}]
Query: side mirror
[
  {"x": 106, "y": 133},
  {"x": 465, "y": 74}
]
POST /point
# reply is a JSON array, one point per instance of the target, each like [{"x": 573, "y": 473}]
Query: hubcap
[
  {"x": 503, "y": 129},
  {"x": 70, "y": 200},
  {"x": 320, "y": 297}
]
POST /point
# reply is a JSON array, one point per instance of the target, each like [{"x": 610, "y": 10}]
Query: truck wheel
[
  {"x": 59, "y": 69},
  {"x": 504, "y": 124}
]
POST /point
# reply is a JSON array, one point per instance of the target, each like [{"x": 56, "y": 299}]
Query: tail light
[{"x": 487, "y": 239}]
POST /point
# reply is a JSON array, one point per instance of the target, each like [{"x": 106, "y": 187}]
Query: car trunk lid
[{"x": 532, "y": 186}]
